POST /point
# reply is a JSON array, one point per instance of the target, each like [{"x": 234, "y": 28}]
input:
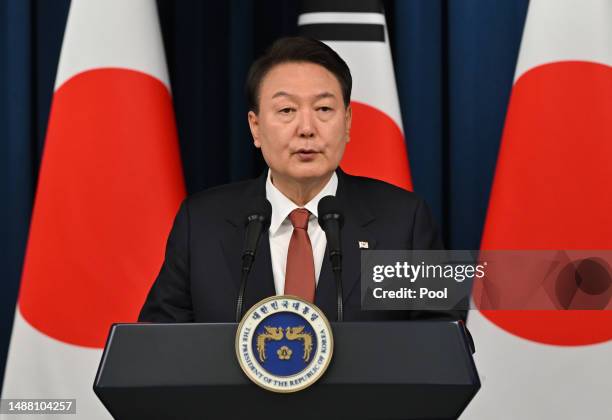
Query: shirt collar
[{"x": 282, "y": 206}]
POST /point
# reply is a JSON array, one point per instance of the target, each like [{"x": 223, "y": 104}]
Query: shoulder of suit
[
  {"x": 380, "y": 190},
  {"x": 220, "y": 197}
]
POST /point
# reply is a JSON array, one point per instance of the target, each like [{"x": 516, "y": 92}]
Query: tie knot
[{"x": 299, "y": 218}]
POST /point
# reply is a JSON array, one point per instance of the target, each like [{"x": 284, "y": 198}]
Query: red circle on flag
[
  {"x": 553, "y": 186},
  {"x": 110, "y": 184}
]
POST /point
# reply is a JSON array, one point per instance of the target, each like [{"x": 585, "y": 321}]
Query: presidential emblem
[{"x": 284, "y": 344}]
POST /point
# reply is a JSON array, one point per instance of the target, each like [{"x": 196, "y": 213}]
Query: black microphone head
[
  {"x": 261, "y": 210},
  {"x": 329, "y": 209}
]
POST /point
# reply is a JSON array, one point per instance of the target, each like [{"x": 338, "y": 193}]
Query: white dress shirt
[{"x": 281, "y": 229}]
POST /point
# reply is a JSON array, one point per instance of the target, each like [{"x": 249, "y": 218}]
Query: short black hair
[{"x": 297, "y": 49}]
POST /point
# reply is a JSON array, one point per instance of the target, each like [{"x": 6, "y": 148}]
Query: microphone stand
[
  {"x": 247, "y": 262},
  {"x": 331, "y": 222},
  {"x": 255, "y": 226},
  {"x": 336, "y": 263}
]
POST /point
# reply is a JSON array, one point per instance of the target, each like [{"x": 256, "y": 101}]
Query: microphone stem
[
  {"x": 336, "y": 260},
  {"x": 247, "y": 262}
]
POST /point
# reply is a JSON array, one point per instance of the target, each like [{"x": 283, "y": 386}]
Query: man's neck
[{"x": 300, "y": 192}]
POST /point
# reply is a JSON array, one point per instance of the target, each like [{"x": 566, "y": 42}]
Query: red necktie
[{"x": 300, "y": 273}]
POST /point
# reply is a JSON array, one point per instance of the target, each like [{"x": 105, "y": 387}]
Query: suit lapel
[
  {"x": 357, "y": 218},
  {"x": 261, "y": 280},
  {"x": 260, "y": 283}
]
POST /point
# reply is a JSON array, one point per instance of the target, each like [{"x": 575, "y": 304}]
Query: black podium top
[{"x": 379, "y": 370}]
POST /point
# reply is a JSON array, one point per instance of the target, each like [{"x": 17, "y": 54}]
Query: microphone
[
  {"x": 331, "y": 221},
  {"x": 257, "y": 221}
]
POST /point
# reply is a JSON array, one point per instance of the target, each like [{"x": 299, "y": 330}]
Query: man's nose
[{"x": 306, "y": 125}]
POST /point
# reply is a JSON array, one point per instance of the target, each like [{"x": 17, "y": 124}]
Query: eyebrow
[{"x": 322, "y": 95}]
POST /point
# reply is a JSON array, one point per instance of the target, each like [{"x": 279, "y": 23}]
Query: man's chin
[{"x": 309, "y": 175}]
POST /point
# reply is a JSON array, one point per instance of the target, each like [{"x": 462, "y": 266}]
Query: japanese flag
[
  {"x": 552, "y": 190},
  {"x": 109, "y": 186}
]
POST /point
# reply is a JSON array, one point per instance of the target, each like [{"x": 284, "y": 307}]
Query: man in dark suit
[{"x": 300, "y": 117}]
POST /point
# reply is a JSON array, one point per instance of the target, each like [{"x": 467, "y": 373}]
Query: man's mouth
[{"x": 306, "y": 154}]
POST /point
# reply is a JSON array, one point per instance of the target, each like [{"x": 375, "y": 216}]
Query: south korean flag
[{"x": 357, "y": 31}]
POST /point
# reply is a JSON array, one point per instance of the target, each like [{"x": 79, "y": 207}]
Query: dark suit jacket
[{"x": 200, "y": 276}]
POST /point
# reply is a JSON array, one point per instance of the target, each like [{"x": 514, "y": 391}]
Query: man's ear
[
  {"x": 254, "y": 126},
  {"x": 349, "y": 120}
]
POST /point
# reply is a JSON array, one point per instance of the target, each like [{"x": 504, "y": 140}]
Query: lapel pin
[{"x": 363, "y": 245}]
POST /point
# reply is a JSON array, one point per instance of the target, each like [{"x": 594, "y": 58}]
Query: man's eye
[
  {"x": 286, "y": 111},
  {"x": 324, "y": 109}
]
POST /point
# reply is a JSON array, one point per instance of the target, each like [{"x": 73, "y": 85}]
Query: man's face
[{"x": 302, "y": 126}]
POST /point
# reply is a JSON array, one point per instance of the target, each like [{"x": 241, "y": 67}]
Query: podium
[{"x": 379, "y": 370}]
